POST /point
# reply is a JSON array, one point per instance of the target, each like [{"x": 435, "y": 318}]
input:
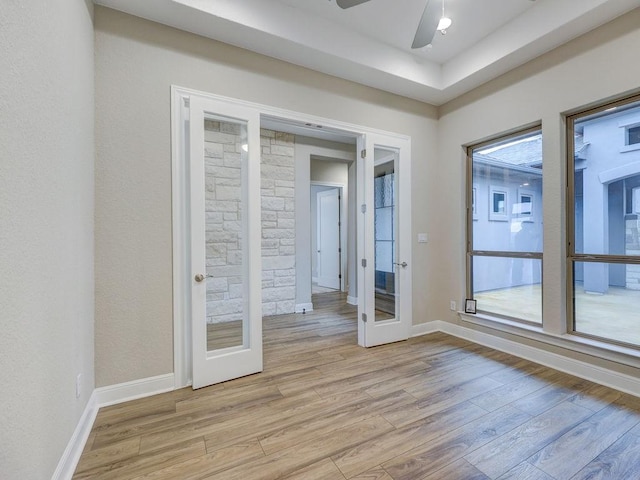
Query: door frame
[
  {"x": 343, "y": 236},
  {"x": 181, "y": 266}
]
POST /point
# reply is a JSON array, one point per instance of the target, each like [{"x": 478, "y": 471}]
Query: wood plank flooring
[
  {"x": 433, "y": 407},
  {"x": 224, "y": 335}
]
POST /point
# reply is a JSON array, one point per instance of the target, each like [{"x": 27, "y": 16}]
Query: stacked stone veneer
[
  {"x": 633, "y": 248},
  {"x": 223, "y": 221},
  {"x": 223, "y": 210},
  {"x": 278, "y": 223}
]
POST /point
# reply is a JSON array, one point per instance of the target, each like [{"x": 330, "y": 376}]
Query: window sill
[
  {"x": 630, "y": 148},
  {"x": 588, "y": 346}
]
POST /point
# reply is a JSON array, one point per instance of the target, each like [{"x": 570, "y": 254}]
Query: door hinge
[
  {"x": 340, "y": 276},
  {"x": 363, "y": 153},
  {"x": 364, "y": 317},
  {"x": 339, "y": 250},
  {"x": 363, "y": 208},
  {"x": 364, "y": 262}
]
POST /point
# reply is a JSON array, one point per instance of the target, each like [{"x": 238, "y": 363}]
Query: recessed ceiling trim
[{"x": 278, "y": 29}]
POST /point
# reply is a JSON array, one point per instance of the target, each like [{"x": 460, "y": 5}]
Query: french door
[
  {"x": 224, "y": 194},
  {"x": 384, "y": 280}
]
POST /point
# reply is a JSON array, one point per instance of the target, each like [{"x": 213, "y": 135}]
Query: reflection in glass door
[
  {"x": 385, "y": 234},
  {"x": 225, "y": 161}
]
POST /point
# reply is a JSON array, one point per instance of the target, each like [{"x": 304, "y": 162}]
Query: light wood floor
[
  {"x": 224, "y": 335},
  {"x": 433, "y": 407}
]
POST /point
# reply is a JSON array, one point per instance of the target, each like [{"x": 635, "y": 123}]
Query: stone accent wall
[
  {"x": 633, "y": 248},
  {"x": 278, "y": 223},
  {"x": 223, "y": 221},
  {"x": 223, "y": 210}
]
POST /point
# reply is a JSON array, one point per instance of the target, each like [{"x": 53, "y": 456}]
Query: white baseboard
[
  {"x": 103, "y": 397},
  {"x": 308, "y": 307},
  {"x": 603, "y": 376},
  {"x": 425, "y": 328},
  {"x": 123, "y": 392},
  {"x": 69, "y": 460},
  {"x": 352, "y": 300}
]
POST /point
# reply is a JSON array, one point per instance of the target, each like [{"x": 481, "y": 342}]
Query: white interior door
[
  {"x": 384, "y": 283},
  {"x": 224, "y": 179},
  {"x": 328, "y": 241}
]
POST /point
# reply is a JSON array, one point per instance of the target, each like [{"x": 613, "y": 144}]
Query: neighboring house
[
  {"x": 608, "y": 173},
  {"x": 507, "y": 213},
  {"x": 507, "y": 205}
]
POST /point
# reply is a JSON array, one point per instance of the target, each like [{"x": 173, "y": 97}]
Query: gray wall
[
  {"x": 46, "y": 233},
  {"x": 136, "y": 63}
]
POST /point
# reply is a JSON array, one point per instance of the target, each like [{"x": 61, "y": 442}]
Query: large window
[
  {"x": 504, "y": 247},
  {"x": 604, "y": 227}
]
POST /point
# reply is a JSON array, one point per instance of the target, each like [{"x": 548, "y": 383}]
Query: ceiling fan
[{"x": 430, "y": 22}]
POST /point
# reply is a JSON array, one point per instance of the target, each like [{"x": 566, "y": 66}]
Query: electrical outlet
[
  {"x": 78, "y": 383},
  {"x": 452, "y": 305}
]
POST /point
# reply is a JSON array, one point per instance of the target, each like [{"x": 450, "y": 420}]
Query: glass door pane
[
  {"x": 225, "y": 159},
  {"x": 385, "y": 234}
]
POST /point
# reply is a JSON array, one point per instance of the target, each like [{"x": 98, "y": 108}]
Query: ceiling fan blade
[
  {"x": 349, "y": 3},
  {"x": 428, "y": 25}
]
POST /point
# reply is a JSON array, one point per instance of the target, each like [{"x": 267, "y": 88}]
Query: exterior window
[
  {"x": 633, "y": 135},
  {"x": 524, "y": 207},
  {"x": 498, "y": 204},
  {"x": 604, "y": 236},
  {"x": 505, "y": 241}
]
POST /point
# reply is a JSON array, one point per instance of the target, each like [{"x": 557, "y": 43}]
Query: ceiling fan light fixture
[{"x": 443, "y": 24}]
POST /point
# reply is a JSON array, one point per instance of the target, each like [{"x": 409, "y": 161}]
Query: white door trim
[
  {"x": 334, "y": 257},
  {"x": 181, "y": 265}
]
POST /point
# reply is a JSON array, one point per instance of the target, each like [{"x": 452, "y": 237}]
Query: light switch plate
[{"x": 422, "y": 238}]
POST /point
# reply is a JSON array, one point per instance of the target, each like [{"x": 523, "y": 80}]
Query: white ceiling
[{"x": 371, "y": 43}]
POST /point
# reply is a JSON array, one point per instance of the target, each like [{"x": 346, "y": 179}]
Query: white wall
[
  {"x": 325, "y": 170},
  {"x": 588, "y": 69},
  {"x": 136, "y": 62},
  {"x": 46, "y": 233}
]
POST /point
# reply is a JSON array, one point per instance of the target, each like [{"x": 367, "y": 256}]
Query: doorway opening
[
  {"x": 326, "y": 238},
  {"x": 242, "y": 225}
]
